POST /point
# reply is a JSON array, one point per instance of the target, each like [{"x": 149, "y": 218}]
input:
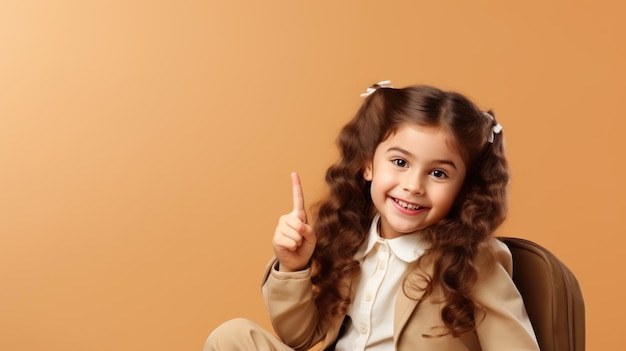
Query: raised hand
[{"x": 294, "y": 240}]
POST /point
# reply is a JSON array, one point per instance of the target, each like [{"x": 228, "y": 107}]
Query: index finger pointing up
[{"x": 298, "y": 197}]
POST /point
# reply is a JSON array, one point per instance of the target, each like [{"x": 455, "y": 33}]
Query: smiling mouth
[{"x": 407, "y": 205}]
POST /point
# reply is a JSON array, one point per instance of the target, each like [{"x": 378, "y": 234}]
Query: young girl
[{"x": 400, "y": 254}]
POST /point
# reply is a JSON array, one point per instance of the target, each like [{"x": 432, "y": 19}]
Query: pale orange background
[{"x": 145, "y": 147}]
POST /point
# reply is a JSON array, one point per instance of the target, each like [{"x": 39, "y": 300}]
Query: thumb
[{"x": 298, "y": 197}]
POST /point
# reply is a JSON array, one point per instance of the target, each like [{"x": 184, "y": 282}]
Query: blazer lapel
[{"x": 405, "y": 305}]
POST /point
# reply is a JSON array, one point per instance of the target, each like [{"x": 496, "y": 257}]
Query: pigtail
[
  {"x": 344, "y": 216},
  {"x": 479, "y": 209}
]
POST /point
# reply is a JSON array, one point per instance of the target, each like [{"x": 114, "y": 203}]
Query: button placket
[{"x": 371, "y": 291}]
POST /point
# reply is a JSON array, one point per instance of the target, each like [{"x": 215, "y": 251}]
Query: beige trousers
[{"x": 243, "y": 335}]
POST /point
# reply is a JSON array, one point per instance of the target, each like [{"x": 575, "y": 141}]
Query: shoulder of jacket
[{"x": 495, "y": 253}]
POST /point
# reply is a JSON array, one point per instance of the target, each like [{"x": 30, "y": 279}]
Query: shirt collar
[{"x": 408, "y": 247}]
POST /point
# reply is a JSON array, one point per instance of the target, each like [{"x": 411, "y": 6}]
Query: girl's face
[{"x": 416, "y": 174}]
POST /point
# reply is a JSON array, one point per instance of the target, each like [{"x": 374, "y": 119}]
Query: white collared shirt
[{"x": 383, "y": 265}]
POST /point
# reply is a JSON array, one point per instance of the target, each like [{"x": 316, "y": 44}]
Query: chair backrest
[{"x": 552, "y": 296}]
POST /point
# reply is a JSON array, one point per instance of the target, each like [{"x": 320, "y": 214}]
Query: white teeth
[{"x": 406, "y": 205}]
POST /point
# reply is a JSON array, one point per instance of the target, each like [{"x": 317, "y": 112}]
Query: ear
[{"x": 367, "y": 171}]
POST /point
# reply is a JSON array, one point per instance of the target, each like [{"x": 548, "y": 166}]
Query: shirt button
[
  {"x": 381, "y": 265},
  {"x": 363, "y": 330},
  {"x": 368, "y": 297}
]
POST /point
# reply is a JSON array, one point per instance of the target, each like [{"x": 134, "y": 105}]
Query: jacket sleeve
[
  {"x": 502, "y": 321},
  {"x": 289, "y": 301}
]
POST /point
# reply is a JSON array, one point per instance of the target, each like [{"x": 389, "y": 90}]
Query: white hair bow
[
  {"x": 373, "y": 88},
  {"x": 494, "y": 130}
]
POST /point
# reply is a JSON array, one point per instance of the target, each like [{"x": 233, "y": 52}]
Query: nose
[{"x": 413, "y": 183}]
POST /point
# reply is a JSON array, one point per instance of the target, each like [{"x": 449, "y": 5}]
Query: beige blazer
[{"x": 503, "y": 324}]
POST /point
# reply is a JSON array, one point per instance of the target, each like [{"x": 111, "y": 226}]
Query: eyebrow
[{"x": 403, "y": 151}]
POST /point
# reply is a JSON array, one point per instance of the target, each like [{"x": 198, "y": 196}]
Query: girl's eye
[
  {"x": 439, "y": 174},
  {"x": 399, "y": 162}
]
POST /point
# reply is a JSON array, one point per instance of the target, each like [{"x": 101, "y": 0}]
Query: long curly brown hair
[{"x": 344, "y": 216}]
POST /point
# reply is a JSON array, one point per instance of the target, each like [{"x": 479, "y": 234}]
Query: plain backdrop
[{"x": 146, "y": 146}]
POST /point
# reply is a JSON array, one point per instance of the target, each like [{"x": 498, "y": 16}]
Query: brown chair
[{"x": 552, "y": 296}]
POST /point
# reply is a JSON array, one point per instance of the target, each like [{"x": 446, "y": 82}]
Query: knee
[{"x": 228, "y": 335}]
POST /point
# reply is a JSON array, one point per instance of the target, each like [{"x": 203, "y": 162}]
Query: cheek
[
  {"x": 381, "y": 184},
  {"x": 383, "y": 180},
  {"x": 446, "y": 196},
  {"x": 383, "y": 172}
]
